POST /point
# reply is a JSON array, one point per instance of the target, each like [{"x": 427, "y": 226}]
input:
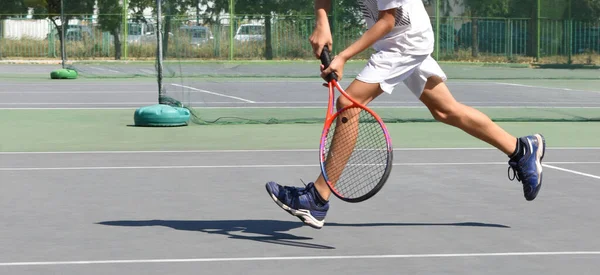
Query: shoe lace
[
  {"x": 296, "y": 191},
  {"x": 514, "y": 176},
  {"x": 303, "y": 190},
  {"x": 304, "y": 183}
]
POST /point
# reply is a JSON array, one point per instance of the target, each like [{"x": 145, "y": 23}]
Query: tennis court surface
[{"x": 85, "y": 193}]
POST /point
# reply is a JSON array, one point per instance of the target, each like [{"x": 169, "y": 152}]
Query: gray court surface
[
  {"x": 265, "y": 93},
  {"x": 295, "y": 68},
  {"x": 443, "y": 211}
]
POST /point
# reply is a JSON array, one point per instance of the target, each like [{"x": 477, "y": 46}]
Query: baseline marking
[
  {"x": 252, "y": 166},
  {"x": 271, "y": 150},
  {"x": 298, "y": 258},
  {"x": 50, "y": 92}
]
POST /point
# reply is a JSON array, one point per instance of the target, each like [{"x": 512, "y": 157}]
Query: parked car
[
  {"x": 250, "y": 32},
  {"x": 198, "y": 35}
]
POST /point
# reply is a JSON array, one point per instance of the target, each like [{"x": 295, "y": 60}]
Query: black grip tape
[{"x": 326, "y": 61}]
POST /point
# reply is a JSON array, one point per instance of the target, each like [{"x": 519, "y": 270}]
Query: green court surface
[
  {"x": 97, "y": 130},
  {"x": 282, "y": 69}
]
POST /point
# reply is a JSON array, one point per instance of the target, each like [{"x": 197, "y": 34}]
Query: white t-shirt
[{"x": 412, "y": 32}]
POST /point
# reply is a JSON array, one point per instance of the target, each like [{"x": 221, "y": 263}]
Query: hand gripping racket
[{"x": 356, "y": 150}]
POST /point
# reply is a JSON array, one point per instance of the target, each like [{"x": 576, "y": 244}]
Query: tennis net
[{"x": 188, "y": 51}]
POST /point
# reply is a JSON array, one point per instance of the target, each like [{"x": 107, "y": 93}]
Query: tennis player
[{"x": 401, "y": 34}]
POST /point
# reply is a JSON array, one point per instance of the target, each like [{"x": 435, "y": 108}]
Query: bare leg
[
  {"x": 446, "y": 109},
  {"x": 363, "y": 93}
]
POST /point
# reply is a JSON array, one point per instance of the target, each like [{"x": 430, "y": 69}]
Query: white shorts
[{"x": 390, "y": 68}]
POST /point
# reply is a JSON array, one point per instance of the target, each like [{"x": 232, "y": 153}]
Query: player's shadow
[{"x": 269, "y": 231}]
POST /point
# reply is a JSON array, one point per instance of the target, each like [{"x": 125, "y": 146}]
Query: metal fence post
[
  {"x": 231, "y": 29},
  {"x": 538, "y": 31},
  {"x": 437, "y": 30}
]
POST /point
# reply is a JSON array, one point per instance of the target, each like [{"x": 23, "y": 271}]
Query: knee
[{"x": 450, "y": 114}]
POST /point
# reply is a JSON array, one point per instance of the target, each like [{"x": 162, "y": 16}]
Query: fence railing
[{"x": 496, "y": 39}]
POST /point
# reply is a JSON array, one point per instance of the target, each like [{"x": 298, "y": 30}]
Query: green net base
[
  {"x": 161, "y": 115},
  {"x": 63, "y": 74}
]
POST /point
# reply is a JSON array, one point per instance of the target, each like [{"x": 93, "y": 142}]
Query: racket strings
[{"x": 357, "y": 153}]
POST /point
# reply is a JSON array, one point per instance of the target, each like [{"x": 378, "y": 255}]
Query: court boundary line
[
  {"x": 541, "y": 87},
  {"x": 50, "y": 92},
  {"x": 244, "y": 166},
  {"x": 212, "y": 93},
  {"x": 571, "y": 171},
  {"x": 298, "y": 258},
  {"x": 414, "y": 105},
  {"x": 269, "y": 150}
]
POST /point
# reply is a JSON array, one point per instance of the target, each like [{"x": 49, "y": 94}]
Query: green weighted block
[
  {"x": 161, "y": 115},
  {"x": 63, "y": 74}
]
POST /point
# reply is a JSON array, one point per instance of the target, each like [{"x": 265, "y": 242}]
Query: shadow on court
[{"x": 269, "y": 231}]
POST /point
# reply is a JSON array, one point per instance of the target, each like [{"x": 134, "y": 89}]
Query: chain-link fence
[{"x": 549, "y": 32}]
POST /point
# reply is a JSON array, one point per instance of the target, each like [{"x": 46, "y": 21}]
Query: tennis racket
[{"x": 356, "y": 150}]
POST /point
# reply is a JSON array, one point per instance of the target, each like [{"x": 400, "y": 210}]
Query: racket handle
[{"x": 326, "y": 61}]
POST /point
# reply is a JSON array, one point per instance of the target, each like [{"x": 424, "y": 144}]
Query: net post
[
  {"x": 161, "y": 114},
  {"x": 159, "y": 48},
  {"x": 62, "y": 33},
  {"x": 64, "y": 72}
]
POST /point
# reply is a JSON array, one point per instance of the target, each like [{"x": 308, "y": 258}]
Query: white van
[{"x": 250, "y": 32}]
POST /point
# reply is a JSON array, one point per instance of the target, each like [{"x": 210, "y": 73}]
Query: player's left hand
[{"x": 336, "y": 66}]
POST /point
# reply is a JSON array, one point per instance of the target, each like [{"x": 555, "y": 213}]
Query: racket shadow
[{"x": 267, "y": 231}]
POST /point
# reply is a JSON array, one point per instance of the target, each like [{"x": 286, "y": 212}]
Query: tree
[
  {"x": 585, "y": 10},
  {"x": 51, "y": 9},
  {"x": 12, "y": 8},
  {"x": 110, "y": 19},
  {"x": 138, "y": 7},
  {"x": 445, "y": 5},
  {"x": 483, "y": 8},
  {"x": 264, "y": 9}
]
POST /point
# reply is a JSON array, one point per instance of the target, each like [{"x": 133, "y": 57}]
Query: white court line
[
  {"x": 212, "y": 93},
  {"x": 50, "y": 92},
  {"x": 70, "y": 108},
  {"x": 249, "y": 166},
  {"x": 542, "y": 87},
  {"x": 148, "y": 71},
  {"x": 304, "y": 258},
  {"x": 253, "y": 107},
  {"x": 269, "y": 150},
  {"x": 77, "y": 103},
  {"x": 104, "y": 69},
  {"x": 571, "y": 171},
  {"x": 385, "y": 102}
]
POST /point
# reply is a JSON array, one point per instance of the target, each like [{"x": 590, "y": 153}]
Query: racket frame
[{"x": 332, "y": 84}]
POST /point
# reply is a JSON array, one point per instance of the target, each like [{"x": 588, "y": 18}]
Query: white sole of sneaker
[
  {"x": 303, "y": 214},
  {"x": 540, "y": 155}
]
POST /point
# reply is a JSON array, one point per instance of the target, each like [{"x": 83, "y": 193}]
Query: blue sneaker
[
  {"x": 300, "y": 202},
  {"x": 528, "y": 169}
]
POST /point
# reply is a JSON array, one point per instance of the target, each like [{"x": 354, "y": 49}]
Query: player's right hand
[{"x": 320, "y": 37}]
